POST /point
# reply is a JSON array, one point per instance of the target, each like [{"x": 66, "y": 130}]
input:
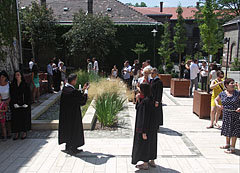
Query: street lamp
[
  {"x": 19, "y": 34},
  {"x": 154, "y": 31},
  {"x": 227, "y": 40}
]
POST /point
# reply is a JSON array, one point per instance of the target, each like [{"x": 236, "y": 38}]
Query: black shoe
[
  {"x": 16, "y": 137},
  {"x": 75, "y": 151},
  {"x": 24, "y": 137}
]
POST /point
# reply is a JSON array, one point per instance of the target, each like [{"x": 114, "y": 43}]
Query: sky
[{"x": 166, "y": 3}]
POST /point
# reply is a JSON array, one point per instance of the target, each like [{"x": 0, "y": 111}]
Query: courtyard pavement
[{"x": 184, "y": 145}]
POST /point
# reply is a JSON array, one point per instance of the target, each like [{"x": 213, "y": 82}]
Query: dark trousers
[
  {"x": 204, "y": 83},
  {"x": 50, "y": 82}
]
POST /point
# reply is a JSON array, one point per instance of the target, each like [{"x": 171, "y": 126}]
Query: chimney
[
  {"x": 161, "y": 6},
  {"x": 90, "y": 6},
  {"x": 43, "y": 2}
]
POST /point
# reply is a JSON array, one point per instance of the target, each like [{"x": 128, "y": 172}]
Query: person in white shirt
[
  {"x": 31, "y": 63},
  {"x": 147, "y": 65},
  {"x": 204, "y": 75},
  {"x": 194, "y": 70},
  {"x": 95, "y": 66},
  {"x": 126, "y": 73}
]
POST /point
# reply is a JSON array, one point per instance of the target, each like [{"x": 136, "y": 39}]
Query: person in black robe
[
  {"x": 157, "y": 92},
  {"x": 56, "y": 78},
  {"x": 70, "y": 118},
  {"x": 20, "y": 106},
  {"x": 145, "y": 133}
]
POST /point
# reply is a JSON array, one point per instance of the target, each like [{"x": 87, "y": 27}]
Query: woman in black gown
[
  {"x": 145, "y": 134},
  {"x": 20, "y": 106}
]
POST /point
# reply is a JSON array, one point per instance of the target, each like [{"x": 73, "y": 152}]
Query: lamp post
[
  {"x": 154, "y": 31},
  {"x": 227, "y": 40}
]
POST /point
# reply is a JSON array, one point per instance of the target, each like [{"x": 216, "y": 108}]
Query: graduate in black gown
[
  {"x": 56, "y": 78},
  {"x": 145, "y": 134},
  {"x": 70, "y": 118},
  {"x": 157, "y": 92},
  {"x": 20, "y": 106}
]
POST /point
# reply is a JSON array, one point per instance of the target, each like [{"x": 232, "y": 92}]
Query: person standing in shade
[
  {"x": 145, "y": 133},
  {"x": 63, "y": 70},
  {"x": 204, "y": 75},
  {"x": 70, "y": 117},
  {"x": 50, "y": 76},
  {"x": 35, "y": 83},
  {"x": 20, "y": 106},
  {"x": 126, "y": 73},
  {"x": 182, "y": 68},
  {"x": 95, "y": 66},
  {"x": 194, "y": 70},
  {"x": 89, "y": 66},
  {"x": 56, "y": 78},
  {"x": 157, "y": 92},
  {"x": 230, "y": 99},
  {"x": 31, "y": 63},
  {"x": 114, "y": 73}
]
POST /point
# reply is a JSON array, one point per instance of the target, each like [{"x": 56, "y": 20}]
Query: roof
[
  {"x": 188, "y": 12},
  {"x": 233, "y": 21},
  {"x": 117, "y": 11}
]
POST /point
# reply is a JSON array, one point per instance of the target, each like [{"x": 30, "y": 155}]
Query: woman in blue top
[{"x": 35, "y": 82}]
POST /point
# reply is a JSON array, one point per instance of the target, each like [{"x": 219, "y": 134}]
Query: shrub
[
  {"x": 236, "y": 65},
  {"x": 83, "y": 77},
  {"x": 107, "y": 106}
]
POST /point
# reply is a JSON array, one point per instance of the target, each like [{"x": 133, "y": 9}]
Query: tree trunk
[
  {"x": 179, "y": 55},
  {"x": 208, "y": 81}
]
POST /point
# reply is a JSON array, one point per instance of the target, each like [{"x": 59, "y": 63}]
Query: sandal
[
  {"x": 227, "y": 146},
  {"x": 217, "y": 126},
  {"x": 142, "y": 166},
  {"x": 209, "y": 127},
  {"x": 230, "y": 150},
  {"x": 152, "y": 164}
]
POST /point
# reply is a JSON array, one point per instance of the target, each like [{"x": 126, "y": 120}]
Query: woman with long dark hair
[
  {"x": 35, "y": 82},
  {"x": 5, "y": 93},
  {"x": 21, "y": 106},
  {"x": 145, "y": 134}
]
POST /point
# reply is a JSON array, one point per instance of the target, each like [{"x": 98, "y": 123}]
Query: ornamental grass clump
[{"x": 107, "y": 107}]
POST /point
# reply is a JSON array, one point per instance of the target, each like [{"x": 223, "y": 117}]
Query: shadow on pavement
[
  {"x": 94, "y": 158},
  {"x": 169, "y": 132},
  {"x": 158, "y": 169}
]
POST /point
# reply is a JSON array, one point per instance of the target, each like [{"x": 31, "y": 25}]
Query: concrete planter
[
  {"x": 166, "y": 79},
  {"x": 180, "y": 87},
  {"x": 202, "y": 104}
]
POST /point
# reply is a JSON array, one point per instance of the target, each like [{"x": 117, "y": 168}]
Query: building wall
[{"x": 232, "y": 33}]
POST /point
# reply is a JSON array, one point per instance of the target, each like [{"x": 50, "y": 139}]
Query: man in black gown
[
  {"x": 70, "y": 118},
  {"x": 157, "y": 91}
]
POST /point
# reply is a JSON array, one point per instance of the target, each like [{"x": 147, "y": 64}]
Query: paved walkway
[{"x": 184, "y": 145}]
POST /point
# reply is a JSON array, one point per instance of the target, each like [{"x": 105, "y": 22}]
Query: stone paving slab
[{"x": 184, "y": 145}]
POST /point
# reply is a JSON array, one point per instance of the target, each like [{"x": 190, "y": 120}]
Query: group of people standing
[
  {"x": 56, "y": 74},
  {"x": 92, "y": 66},
  {"x": 15, "y": 106}
]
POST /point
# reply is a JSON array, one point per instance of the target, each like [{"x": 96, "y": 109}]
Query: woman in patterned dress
[{"x": 230, "y": 99}]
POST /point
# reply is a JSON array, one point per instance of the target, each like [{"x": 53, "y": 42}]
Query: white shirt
[
  {"x": 141, "y": 79},
  {"x": 31, "y": 63},
  {"x": 203, "y": 72},
  {"x": 127, "y": 71},
  {"x": 193, "y": 71},
  {"x": 95, "y": 66},
  {"x": 4, "y": 91}
]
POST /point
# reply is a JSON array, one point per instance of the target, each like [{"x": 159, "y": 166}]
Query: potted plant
[
  {"x": 180, "y": 87},
  {"x": 208, "y": 25},
  {"x": 165, "y": 52}
]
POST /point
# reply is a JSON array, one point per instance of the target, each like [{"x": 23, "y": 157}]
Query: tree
[
  {"x": 180, "y": 38},
  {"x": 8, "y": 32},
  {"x": 165, "y": 51},
  {"x": 228, "y": 9},
  {"x": 209, "y": 29},
  {"x": 91, "y": 35},
  {"x": 140, "y": 49},
  {"x": 142, "y": 4},
  {"x": 38, "y": 27}
]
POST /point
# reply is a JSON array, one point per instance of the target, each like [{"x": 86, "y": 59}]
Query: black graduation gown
[
  {"x": 21, "y": 117},
  {"x": 70, "y": 118},
  {"x": 56, "y": 79},
  {"x": 145, "y": 150},
  {"x": 157, "y": 92}
]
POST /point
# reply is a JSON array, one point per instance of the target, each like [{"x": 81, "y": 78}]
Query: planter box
[
  {"x": 166, "y": 79},
  {"x": 180, "y": 87},
  {"x": 202, "y": 104}
]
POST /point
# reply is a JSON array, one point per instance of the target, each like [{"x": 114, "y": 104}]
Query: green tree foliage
[
  {"x": 142, "y": 4},
  {"x": 140, "y": 49},
  {"x": 38, "y": 27},
  {"x": 180, "y": 38},
  {"x": 236, "y": 65},
  {"x": 91, "y": 35},
  {"x": 228, "y": 9},
  {"x": 165, "y": 51},
  {"x": 8, "y": 26}
]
